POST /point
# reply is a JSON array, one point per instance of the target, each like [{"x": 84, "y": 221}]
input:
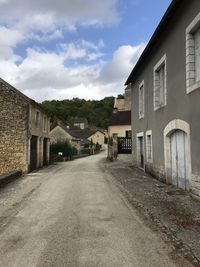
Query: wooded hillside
[{"x": 96, "y": 112}]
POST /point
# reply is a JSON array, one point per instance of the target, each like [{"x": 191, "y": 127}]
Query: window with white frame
[
  {"x": 141, "y": 100},
  {"x": 193, "y": 55},
  {"x": 149, "y": 150},
  {"x": 197, "y": 54},
  {"x": 160, "y": 85}
]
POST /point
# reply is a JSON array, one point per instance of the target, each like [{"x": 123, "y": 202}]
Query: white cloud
[
  {"x": 45, "y": 13},
  {"x": 71, "y": 69},
  {"x": 124, "y": 58},
  {"x": 46, "y": 75},
  {"x": 8, "y": 41}
]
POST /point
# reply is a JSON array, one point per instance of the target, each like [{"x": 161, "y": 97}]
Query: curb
[{"x": 9, "y": 177}]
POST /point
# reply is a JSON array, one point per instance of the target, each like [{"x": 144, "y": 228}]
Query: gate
[{"x": 124, "y": 145}]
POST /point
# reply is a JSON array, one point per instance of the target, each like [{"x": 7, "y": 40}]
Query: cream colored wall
[
  {"x": 119, "y": 129},
  {"x": 97, "y": 137},
  {"x": 41, "y": 130}
]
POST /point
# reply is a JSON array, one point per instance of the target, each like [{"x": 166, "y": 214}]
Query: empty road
[{"x": 72, "y": 214}]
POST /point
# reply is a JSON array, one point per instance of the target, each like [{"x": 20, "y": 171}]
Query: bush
[
  {"x": 65, "y": 147},
  {"x": 85, "y": 151}
]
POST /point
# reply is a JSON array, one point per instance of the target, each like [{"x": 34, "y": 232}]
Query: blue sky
[{"x": 64, "y": 49}]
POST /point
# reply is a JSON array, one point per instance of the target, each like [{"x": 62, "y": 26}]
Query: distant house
[
  {"x": 120, "y": 124},
  {"x": 81, "y": 123},
  {"x": 166, "y": 93},
  {"x": 58, "y": 121},
  {"x": 120, "y": 121},
  {"x": 24, "y": 131},
  {"x": 97, "y": 136},
  {"x": 77, "y": 137}
]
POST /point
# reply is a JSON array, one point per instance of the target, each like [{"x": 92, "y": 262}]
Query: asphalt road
[{"x": 72, "y": 214}]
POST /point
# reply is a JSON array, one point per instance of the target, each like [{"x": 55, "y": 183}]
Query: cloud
[
  {"x": 47, "y": 12},
  {"x": 48, "y": 75},
  {"x": 123, "y": 60},
  {"x": 56, "y": 69},
  {"x": 10, "y": 37}
]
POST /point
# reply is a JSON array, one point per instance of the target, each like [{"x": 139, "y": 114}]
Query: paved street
[{"x": 72, "y": 214}]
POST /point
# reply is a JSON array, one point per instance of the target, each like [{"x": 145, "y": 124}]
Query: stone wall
[{"x": 13, "y": 130}]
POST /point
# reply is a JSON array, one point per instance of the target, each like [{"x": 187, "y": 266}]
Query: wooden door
[
  {"x": 45, "y": 151},
  {"x": 33, "y": 153},
  {"x": 178, "y": 159}
]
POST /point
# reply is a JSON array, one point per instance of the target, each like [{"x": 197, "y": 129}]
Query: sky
[{"x": 74, "y": 48}]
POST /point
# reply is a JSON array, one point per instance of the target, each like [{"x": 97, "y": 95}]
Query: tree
[{"x": 97, "y": 112}]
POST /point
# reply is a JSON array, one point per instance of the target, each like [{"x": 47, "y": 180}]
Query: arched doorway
[
  {"x": 177, "y": 154},
  {"x": 178, "y": 159}
]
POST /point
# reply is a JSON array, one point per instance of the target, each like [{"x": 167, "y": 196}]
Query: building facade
[
  {"x": 24, "y": 131},
  {"x": 81, "y": 123},
  {"x": 166, "y": 94},
  {"x": 120, "y": 121}
]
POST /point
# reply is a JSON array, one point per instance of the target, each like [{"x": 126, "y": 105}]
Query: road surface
[{"x": 72, "y": 214}]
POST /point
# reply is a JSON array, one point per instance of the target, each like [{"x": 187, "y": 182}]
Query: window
[
  {"x": 128, "y": 134},
  {"x": 197, "y": 54},
  {"x": 193, "y": 55},
  {"x": 149, "y": 151},
  {"x": 160, "y": 89},
  {"x": 141, "y": 100},
  {"x": 37, "y": 119}
]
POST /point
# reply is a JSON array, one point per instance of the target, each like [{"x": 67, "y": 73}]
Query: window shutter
[
  {"x": 141, "y": 100},
  {"x": 197, "y": 54},
  {"x": 162, "y": 85}
]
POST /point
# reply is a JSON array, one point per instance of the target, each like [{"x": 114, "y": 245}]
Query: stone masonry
[{"x": 13, "y": 130}]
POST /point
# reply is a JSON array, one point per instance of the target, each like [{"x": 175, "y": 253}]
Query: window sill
[
  {"x": 159, "y": 107},
  {"x": 193, "y": 87}
]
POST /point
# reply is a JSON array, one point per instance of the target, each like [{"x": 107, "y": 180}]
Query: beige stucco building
[
  {"x": 97, "y": 137},
  {"x": 24, "y": 132}
]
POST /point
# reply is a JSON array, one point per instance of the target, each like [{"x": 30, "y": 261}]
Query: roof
[
  {"x": 26, "y": 98},
  {"x": 84, "y": 142},
  {"x": 58, "y": 121},
  {"x": 160, "y": 30},
  {"x": 77, "y": 133},
  {"x": 81, "y": 134},
  {"x": 120, "y": 118},
  {"x": 80, "y": 120}
]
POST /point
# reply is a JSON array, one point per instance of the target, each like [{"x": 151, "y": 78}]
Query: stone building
[
  {"x": 120, "y": 121},
  {"x": 24, "y": 131}
]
